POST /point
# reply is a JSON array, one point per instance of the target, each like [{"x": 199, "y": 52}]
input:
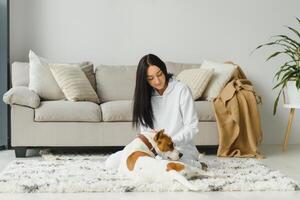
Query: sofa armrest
[{"x": 23, "y": 96}]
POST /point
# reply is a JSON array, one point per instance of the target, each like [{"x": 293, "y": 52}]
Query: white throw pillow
[
  {"x": 42, "y": 81},
  {"x": 222, "y": 74},
  {"x": 74, "y": 83},
  {"x": 196, "y": 79}
]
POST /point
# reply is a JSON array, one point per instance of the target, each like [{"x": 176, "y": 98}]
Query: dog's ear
[{"x": 157, "y": 135}]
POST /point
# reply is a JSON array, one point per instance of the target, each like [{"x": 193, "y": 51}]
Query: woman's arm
[{"x": 189, "y": 118}]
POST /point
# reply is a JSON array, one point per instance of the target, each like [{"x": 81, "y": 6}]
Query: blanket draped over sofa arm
[{"x": 238, "y": 118}]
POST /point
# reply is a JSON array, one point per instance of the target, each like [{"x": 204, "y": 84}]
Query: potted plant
[{"x": 288, "y": 74}]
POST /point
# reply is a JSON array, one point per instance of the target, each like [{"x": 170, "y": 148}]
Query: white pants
[{"x": 114, "y": 160}]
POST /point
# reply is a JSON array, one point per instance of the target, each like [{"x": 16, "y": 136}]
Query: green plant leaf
[
  {"x": 276, "y": 100},
  {"x": 286, "y": 77},
  {"x": 298, "y": 83},
  {"x": 293, "y": 30},
  {"x": 289, "y": 39},
  {"x": 292, "y": 54},
  {"x": 267, "y": 44},
  {"x": 260, "y": 46},
  {"x": 288, "y": 62},
  {"x": 289, "y": 74},
  {"x": 286, "y": 43},
  {"x": 283, "y": 69},
  {"x": 286, "y": 66},
  {"x": 274, "y": 55},
  {"x": 290, "y": 69},
  {"x": 276, "y": 104}
]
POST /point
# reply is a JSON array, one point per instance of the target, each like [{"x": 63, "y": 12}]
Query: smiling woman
[
  {"x": 151, "y": 77},
  {"x": 156, "y": 79},
  {"x": 161, "y": 102}
]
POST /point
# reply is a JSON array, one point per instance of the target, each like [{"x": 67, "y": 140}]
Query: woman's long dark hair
[{"x": 142, "y": 109}]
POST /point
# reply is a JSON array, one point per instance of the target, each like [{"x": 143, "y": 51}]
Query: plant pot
[{"x": 291, "y": 94}]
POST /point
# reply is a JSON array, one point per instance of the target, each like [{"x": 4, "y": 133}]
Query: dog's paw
[
  {"x": 210, "y": 174},
  {"x": 201, "y": 155},
  {"x": 204, "y": 166}
]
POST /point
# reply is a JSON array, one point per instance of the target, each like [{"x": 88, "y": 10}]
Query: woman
[{"x": 161, "y": 102}]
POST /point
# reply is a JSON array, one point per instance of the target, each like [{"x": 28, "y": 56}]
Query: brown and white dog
[{"x": 138, "y": 161}]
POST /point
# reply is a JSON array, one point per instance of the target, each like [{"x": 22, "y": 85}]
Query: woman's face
[{"x": 156, "y": 77}]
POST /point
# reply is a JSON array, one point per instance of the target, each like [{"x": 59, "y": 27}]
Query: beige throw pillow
[
  {"x": 42, "y": 81},
  {"x": 88, "y": 69},
  {"x": 74, "y": 83},
  {"x": 196, "y": 79},
  {"x": 222, "y": 74}
]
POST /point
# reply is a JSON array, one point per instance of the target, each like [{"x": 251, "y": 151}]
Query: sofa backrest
[
  {"x": 114, "y": 82},
  {"x": 117, "y": 82},
  {"x": 20, "y": 74},
  {"x": 176, "y": 68}
]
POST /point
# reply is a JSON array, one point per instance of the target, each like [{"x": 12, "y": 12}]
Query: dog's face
[{"x": 165, "y": 146}]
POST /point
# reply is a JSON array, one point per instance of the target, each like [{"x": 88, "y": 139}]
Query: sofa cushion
[
  {"x": 115, "y": 82},
  {"x": 117, "y": 111},
  {"x": 67, "y": 111},
  {"x": 113, "y": 111},
  {"x": 205, "y": 110},
  {"x": 19, "y": 74}
]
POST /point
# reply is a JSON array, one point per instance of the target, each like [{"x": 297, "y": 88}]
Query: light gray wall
[{"x": 122, "y": 31}]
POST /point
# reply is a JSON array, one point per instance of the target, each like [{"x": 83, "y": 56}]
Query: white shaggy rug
[{"x": 86, "y": 173}]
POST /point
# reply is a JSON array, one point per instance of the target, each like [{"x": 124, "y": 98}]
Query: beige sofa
[{"x": 85, "y": 124}]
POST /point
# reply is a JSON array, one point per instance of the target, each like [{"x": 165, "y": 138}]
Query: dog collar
[{"x": 147, "y": 143}]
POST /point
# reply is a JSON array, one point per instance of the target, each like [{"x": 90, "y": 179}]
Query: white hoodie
[{"x": 174, "y": 111}]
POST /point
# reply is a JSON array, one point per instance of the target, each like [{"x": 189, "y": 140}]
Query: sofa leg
[{"x": 20, "y": 152}]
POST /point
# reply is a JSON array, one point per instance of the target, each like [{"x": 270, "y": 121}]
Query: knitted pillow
[
  {"x": 196, "y": 79},
  {"x": 73, "y": 82}
]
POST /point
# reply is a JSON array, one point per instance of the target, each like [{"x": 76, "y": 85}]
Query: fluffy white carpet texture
[{"x": 73, "y": 173}]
